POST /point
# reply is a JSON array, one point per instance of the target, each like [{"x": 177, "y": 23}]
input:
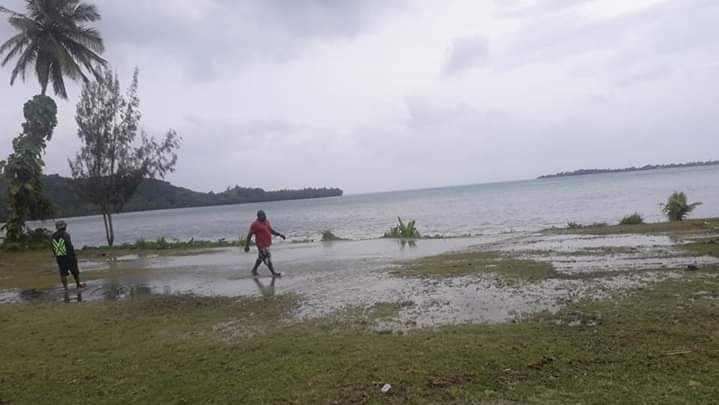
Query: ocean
[{"x": 482, "y": 209}]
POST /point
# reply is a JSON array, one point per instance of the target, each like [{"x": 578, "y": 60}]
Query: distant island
[
  {"x": 583, "y": 172},
  {"x": 158, "y": 194}
]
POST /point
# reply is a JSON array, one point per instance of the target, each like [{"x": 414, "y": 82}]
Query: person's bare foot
[{"x": 81, "y": 285}]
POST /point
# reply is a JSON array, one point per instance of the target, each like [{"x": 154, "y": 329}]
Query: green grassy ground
[
  {"x": 691, "y": 225},
  {"x": 704, "y": 246},
  {"x": 660, "y": 345},
  {"x": 37, "y": 269},
  {"x": 477, "y": 262},
  {"x": 656, "y": 345}
]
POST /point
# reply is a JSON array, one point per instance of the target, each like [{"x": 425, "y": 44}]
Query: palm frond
[
  {"x": 52, "y": 35},
  {"x": 14, "y": 46},
  {"x": 58, "y": 83},
  {"x": 22, "y": 23},
  {"x": 42, "y": 68},
  {"x": 79, "y": 53},
  {"x": 66, "y": 60},
  {"x": 22, "y": 64},
  {"x": 85, "y": 13},
  {"x": 90, "y": 38},
  {"x": 5, "y": 10}
]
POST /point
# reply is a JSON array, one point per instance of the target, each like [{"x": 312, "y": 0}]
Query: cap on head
[
  {"x": 261, "y": 215},
  {"x": 60, "y": 225}
]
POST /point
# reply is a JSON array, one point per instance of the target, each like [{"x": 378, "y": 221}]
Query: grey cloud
[
  {"x": 464, "y": 54},
  {"x": 523, "y": 8},
  {"x": 218, "y": 34},
  {"x": 643, "y": 76},
  {"x": 663, "y": 29}
]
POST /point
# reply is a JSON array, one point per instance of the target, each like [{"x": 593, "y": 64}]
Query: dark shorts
[
  {"x": 67, "y": 266},
  {"x": 263, "y": 253}
]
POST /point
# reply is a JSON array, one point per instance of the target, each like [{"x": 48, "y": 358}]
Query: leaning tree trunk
[{"x": 109, "y": 232}]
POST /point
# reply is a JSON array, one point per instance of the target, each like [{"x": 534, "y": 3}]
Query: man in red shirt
[{"x": 262, "y": 229}]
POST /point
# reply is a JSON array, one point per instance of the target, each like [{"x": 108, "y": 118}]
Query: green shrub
[
  {"x": 31, "y": 239},
  {"x": 576, "y": 225},
  {"x": 403, "y": 231},
  {"x": 633, "y": 219},
  {"x": 328, "y": 236},
  {"x": 677, "y": 208}
]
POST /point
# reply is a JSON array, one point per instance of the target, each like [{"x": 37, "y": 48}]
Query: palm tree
[{"x": 53, "y": 37}]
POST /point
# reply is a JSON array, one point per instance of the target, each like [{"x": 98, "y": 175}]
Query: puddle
[
  {"x": 336, "y": 276},
  {"x": 226, "y": 272},
  {"x": 583, "y": 254},
  {"x": 573, "y": 243},
  {"x": 487, "y": 301}
]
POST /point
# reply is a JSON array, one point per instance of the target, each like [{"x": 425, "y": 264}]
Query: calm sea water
[{"x": 484, "y": 209}]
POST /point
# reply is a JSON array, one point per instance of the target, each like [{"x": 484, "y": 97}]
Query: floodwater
[{"x": 333, "y": 277}]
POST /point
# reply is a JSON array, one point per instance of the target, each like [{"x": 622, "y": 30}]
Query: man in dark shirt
[
  {"x": 262, "y": 229},
  {"x": 64, "y": 254}
]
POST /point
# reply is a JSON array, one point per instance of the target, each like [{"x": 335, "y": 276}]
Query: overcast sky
[{"x": 380, "y": 95}]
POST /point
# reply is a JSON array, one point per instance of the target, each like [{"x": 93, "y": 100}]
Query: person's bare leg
[
  {"x": 257, "y": 265},
  {"x": 76, "y": 276},
  {"x": 268, "y": 262},
  {"x": 63, "y": 279}
]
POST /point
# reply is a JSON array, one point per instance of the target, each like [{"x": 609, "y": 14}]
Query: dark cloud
[{"x": 214, "y": 36}]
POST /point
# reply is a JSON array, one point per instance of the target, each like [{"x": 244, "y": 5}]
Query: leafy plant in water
[
  {"x": 404, "y": 231},
  {"x": 633, "y": 219},
  {"x": 677, "y": 208}
]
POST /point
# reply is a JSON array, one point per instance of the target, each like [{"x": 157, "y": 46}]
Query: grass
[
  {"x": 163, "y": 243},
  {"x": 692, "y": 225},
  {"x": 36, "y": 268},
  {"x": 658, "y": 346},
  {"x": 477, "y": 262},
  {"x": 575, "y": 225},
  {"x": 33, "y": 268},
  {"x": 632, "y": 219},
  {"x": 703, "y": 247}
]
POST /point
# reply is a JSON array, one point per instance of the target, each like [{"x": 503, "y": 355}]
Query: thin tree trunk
[
  {"x": 111, "y": 239},
  {"x": 105, "y": 216}
]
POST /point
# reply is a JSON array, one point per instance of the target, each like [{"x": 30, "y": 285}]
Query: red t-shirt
[{"x": 261, "y": 230}]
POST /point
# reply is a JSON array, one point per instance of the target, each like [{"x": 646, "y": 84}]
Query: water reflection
[
  {"x": 407, "y": 242},
  {"x": 78, "y": 296},
  {"x": 115, "y": 290},
  {"x": 266, "y": 290}
]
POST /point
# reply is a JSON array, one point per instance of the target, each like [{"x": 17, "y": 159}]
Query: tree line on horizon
[
  {"x": 153, "y": 194},
  {"x": 582, "y": 172}
]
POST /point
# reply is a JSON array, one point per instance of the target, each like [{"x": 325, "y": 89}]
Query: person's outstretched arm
[
  {"x": 272, "y": 230},
  {"x": 247, "y": 240}
]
